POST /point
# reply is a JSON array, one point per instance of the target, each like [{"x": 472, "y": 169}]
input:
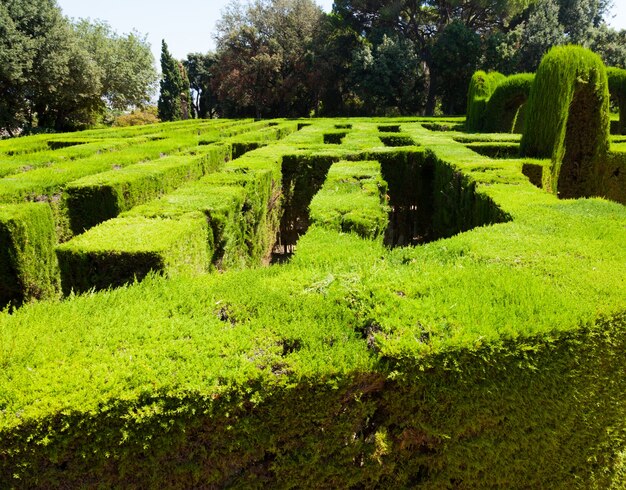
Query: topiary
[
  {"x": 567, "y": 119},
  {"x": 481, "y": 87},
  {"x": 617, "y": 89},
  {"x": 506, "y": 107}
]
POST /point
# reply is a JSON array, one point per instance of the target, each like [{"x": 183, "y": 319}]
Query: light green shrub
[
  {"x": 505, "y": 109},
  {"x": 481, "y": 87},
  {"x": 567, "y": 119}
]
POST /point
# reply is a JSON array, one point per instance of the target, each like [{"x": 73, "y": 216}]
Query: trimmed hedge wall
[
  {"x": 505, "y": 111},
  {"x": 28, "y": 265},
  {"x": 617, "y": 89},
  {"x": 103, "y": 196},
  {"x": 491, "y": 359},
  {"x": 482, "y": 85},
  {"x": 353, "y": 199},
  {"x": 120, "y": 251},
  {"x": 567, "y": 119}
]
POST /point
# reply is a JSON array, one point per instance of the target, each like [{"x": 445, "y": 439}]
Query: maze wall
[{"x": 306, "y": 304}]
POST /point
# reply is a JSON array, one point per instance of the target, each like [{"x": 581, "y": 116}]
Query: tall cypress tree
[{"x": 174, "y": 97}]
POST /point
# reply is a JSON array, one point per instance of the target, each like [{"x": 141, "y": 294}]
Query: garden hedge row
[
  {"x": 482, "y": 85},
  {"x": 493, "y": 358},
  {"x": 617, "y": 89},
  {"x": 353, "y": 199},
  {"x": 28, "y": 266},
  {"x": 505, "y": 111},
  {"x": 94, "y": 199}
]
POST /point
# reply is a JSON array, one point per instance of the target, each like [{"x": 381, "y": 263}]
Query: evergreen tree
[{"x": 174, "y": 97}]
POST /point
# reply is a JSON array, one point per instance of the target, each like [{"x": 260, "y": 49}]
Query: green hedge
[
  {"x": 491, "y": 359},
  {"x": 94, "y": 199},
  {"x": 505, "y": 109},
  {"x": 495, "y": 149},
  {"x": 124, "y": 250},
  {"x": 482, "y": 85},
  {"x": 567, "y": 119},
  {"x": 396, "y": 139},
  {"x": 353, "y": 199},
  {"x": 617, "y": 89},
  {"x": 242, "y": 224},
  {"x": 222, "y": 204},
  {"x": 28, "y": 265}
]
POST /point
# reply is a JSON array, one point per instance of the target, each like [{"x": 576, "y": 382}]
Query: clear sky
[{"x": 189, "y": 26}]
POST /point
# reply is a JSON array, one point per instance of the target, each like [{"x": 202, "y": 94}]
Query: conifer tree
[{"x": 174, "y": 97}]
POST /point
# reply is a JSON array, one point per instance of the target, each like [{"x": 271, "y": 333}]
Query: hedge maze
[{"x": 329, "y": 303}]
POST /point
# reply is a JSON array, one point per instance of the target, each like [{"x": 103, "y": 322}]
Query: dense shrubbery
[
  {"x": 505, "y": 111},
  {"x": 491, "y": 355},
  {"x": 481, "y": 87},
  {"x": 359, "y": 362},
  {"x": 568, "y": 119}
]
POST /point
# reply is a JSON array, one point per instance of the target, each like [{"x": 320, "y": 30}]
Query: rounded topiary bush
[
  {"x": 481, "y": 87},
  {"x": 505, "y": 109},
  {"x": 567, "y": 119},
  {"x": 617, "y": 88}
]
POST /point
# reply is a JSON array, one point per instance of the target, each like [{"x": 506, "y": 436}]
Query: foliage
[
  {"x": 505, "y": 109},
  {"x": 482, "y": 85},
  {"x": 58, "y": 76},
  {"x": 567, "y": 118},
  {"x": 200, "y": 70},
  {"x": 353, "y": 199},
  {"x": 617, "y": 89},
  {"x": 138, "y": 117},
  {"x": 264, "y": 57},
  {"x": 387, "y": 78},
  {"x": 125, "y": 63},
  {"x": 353, "y": 365},
  {"x": 610, "y": 45},
  {"x": 174, "y": 96},
  {"x": 455, "y": 56},
  {"x": 28, "y": 265}
]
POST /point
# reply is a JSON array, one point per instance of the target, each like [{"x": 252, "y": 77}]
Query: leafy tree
[
  {"x": 333, "y": 46},
  {"x": 580, "y": 17},
  {"x": 387, "y": 78},
  {"x": 456, "y": 54},
  {"x": 200, "y": 68},
  {"x": 264, "y": 57},
  {"x": 126, "y": 65},
  {"x": 55, "y": 75},
  {"x": 15, "y": 63},
  {"x": 542, "y": 32},
  {"x": 422, "y": 21},
  {"x": 610, "y": 45},
  {"x": 174, "y": 96},
  {"x": 37, "y": 53}
]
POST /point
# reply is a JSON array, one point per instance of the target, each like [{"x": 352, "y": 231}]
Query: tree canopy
[
  {"x": 286, "y": 58},
  {"x": 55, "y": 74}
]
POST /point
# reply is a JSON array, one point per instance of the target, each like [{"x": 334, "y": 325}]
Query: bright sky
[
  {"x": 188, "y": 26},
  {"x": 191, "y": 26}
]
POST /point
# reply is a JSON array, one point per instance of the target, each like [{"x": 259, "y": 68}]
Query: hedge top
[{"x": 562, "y": 72}]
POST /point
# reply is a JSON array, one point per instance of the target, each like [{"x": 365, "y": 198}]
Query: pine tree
[{"x": 174, "y": 97}]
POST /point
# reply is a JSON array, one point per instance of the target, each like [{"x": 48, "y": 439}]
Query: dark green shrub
[
  {"x": 481, "y": 87},
  {"x": 505, "y": 108},
  {"x": 617, "y": 89},
  {"x": 495, "y": 150},
  {"x": 396, "y": 139},
  {"x": 334, "y": 137},
  {"x": 28, "y": 265}
]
